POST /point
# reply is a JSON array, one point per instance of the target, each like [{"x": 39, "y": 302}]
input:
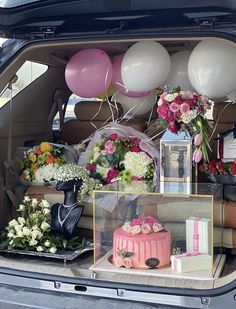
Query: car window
[{"x": 28, "y": 72}]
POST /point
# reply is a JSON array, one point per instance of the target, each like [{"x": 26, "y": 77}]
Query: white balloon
[
  {"x": 178, "y": 75},
  {"x": 232, "y": 96},
  {"x": 145, "y": 66},
  {"x": 135, "y": 106},
  {"x": 212, "y": 68}
]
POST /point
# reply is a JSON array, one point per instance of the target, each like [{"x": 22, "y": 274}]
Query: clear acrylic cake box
[{"x": 129, "y": 239}]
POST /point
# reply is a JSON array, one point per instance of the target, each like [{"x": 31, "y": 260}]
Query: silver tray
[{"x": 65, "y": 255}]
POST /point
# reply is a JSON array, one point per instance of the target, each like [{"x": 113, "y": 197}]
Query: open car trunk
[
  {"x": 31, "y": 114},
  {"x": 30, "y": 123}
]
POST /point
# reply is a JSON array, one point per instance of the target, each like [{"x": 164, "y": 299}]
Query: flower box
[
  {"x": 229, "y": 185},
  {"x": 190, "y": 262},
  {"x": 198, "y": 235}
]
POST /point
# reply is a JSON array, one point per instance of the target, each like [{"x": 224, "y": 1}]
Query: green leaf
[{"x": 129, "y": 254}]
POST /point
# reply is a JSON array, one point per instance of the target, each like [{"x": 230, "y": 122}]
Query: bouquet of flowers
[
  {"x": 41, "y": 162},
  {"x": 185, "y": 110},
  {"x": 32, "y": 230},
  {"x": 217, "y": 167},
  {"x": 119, "y": 157}
]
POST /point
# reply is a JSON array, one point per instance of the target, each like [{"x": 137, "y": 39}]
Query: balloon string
[
  {"x": 153, "y": 137},
  {"x": 108, "y": 100},
  {"x": 94, "y": 116},
  {"x": 218, "y": 119}
]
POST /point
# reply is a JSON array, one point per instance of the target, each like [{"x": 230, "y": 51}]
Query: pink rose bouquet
[{"x": 185, "y": 110}]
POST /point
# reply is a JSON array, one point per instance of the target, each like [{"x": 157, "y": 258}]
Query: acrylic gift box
[
  {"x": 116, "y": 243},
  {"x": 176, "y": 157}
]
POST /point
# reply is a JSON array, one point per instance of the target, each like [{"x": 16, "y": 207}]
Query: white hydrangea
[
  {"x": 46, "y": 173},
  {"x": 137, "y": 163}
]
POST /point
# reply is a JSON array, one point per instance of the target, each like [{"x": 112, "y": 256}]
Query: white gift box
[
  {"x": 190, "y": 262},
  {"x": 198, "y": 235},
  {"x": 228, "y": 150}
]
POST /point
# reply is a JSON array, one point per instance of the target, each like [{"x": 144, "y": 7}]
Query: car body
[{"x": 32, "y": 29}]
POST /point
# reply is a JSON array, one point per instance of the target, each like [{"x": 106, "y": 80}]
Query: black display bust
[{"x": 65, "y": 217}]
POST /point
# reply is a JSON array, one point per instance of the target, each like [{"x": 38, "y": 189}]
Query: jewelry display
[{"x": 62, "y": 221}]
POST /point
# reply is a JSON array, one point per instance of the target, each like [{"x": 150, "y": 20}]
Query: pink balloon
[
  {"x": 89, "y": 72},
  {"x": 117, "y": 80}
]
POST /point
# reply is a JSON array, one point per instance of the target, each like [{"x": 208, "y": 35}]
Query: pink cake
[{"x": 141, "y": 243}]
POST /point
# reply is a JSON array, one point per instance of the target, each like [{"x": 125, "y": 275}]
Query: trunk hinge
[{"x": 206, "y": 23}]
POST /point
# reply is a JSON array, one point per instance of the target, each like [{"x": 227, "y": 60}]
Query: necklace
[
  {"x": 68, "y": 206},
  {"x": 62, "y": 221}
]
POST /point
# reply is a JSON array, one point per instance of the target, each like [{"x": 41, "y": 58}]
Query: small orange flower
[
  {"x": 50, "y": 159},
  {"x": 38, "y": 151},
  {"x": 45, "y": 146}
]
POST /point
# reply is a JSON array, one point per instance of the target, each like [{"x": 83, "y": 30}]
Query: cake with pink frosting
[{"x": 141, "y": 243}]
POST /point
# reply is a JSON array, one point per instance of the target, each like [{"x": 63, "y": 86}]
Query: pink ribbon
[
  {"x": 187, "y": 254},
  {"x": 196, "y": 235}
]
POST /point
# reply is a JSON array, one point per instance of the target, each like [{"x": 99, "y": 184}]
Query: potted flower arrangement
[
  {"x": 31, "y": 231},
  {"x": 185, "y": 111},
  {"x": 40, "y": 163},
  {"x": 119, "y": 158},
  {"x": 224, "y": 173}
]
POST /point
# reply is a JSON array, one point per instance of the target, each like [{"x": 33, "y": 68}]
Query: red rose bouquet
[{"x": 217, "y": 167}]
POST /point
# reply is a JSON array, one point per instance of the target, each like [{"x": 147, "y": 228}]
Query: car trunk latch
[{"x": 206, "y": 23}]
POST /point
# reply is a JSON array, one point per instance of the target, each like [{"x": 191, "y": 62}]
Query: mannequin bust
[{"x": 65, "y": 217}]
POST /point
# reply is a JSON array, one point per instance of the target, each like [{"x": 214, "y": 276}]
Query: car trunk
[{"x": 53, "y": 43}]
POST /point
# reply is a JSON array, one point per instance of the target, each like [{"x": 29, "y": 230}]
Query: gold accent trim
[{"x": 175, "y": 179}]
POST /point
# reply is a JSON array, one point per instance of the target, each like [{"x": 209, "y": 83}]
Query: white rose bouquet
[{"x": 32, "y": 230}]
